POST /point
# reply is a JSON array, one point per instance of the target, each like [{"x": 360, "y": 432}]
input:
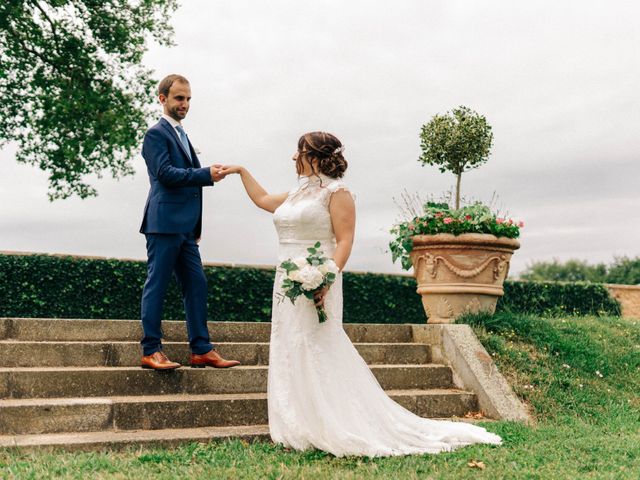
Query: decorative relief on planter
[
  {"x": 501, "y": 265},
  {"x": 473, "y": 306},
  {"x": 501, "y": 268},
  {"x": 444, "y": 308},
  {"x": 459, "y": 274}
]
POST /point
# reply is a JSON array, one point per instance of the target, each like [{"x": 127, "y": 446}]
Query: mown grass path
[{"x": 580, "y": 376}]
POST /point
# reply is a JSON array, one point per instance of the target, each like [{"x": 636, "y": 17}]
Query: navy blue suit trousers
[{"x": 174, "y": 254}]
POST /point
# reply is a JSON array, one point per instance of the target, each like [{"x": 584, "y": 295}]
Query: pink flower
[
  {"x": 499, "y": 220},
  {"x": 521, "y": 224},
  {"x": 439, "y": 214},
  {"x": 448, "y": 220},
  {"x": 412, "y": 228},
  {"x": 510, "y": 222}
]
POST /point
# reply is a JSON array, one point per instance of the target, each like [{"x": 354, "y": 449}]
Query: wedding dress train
[{"x": 321, "y": 393}]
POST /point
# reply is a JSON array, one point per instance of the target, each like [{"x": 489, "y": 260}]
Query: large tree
[{"x": 74, "y": 95}]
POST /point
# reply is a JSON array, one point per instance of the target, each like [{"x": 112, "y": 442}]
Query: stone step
[
  {"x": 117, "y": 440},
  {"x": 49, "y": 382},
  {"x": 17, "y": 353},
  {"x": 59, "y": 415},
  {"x": 123, "y": 439},
  {"x": 175, "y": 331}
]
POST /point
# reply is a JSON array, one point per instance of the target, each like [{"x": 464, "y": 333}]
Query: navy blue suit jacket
[{"x": 174, "y": 203}]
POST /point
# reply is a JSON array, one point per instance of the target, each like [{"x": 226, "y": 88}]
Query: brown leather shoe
[
  {"x": 158, "y": 361},
  {"x": 211, "y": 359}
]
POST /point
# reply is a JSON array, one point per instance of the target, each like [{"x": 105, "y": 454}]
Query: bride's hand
[
  {"x": 319, "y": 296},
  {"x": 229, "y": 169}
]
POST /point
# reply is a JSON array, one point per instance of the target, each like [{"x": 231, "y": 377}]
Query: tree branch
[
  {"x": 24, "y": 46},
  {"x": 54, "y": 31},
  {"x": 23, "y": 43}
]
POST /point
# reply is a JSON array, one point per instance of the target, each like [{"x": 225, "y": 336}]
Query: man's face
[{"x": 176, "y": 104}]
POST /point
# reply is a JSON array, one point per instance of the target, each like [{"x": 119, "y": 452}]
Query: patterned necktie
[{"x": 183, "y": 139}]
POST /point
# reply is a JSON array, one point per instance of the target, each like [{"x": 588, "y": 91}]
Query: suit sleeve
[{"x": 156, "y": 155}]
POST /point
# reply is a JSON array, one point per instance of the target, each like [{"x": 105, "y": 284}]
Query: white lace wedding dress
[{"x": 321, "y": 394}]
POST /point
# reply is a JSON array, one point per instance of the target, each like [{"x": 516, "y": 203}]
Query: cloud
[{"x": 556, "y": 80}]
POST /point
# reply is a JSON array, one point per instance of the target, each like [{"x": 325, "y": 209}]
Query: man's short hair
[{"x": 166, "y": 82}]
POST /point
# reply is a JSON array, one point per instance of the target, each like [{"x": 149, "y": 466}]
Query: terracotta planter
[{"x": 460, "y": 274}]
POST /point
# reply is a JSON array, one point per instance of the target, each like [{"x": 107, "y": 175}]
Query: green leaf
[{"x": 289, "y": 266}]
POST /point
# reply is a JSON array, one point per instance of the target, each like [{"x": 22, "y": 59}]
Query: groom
[{"x": 172, "y": 225}]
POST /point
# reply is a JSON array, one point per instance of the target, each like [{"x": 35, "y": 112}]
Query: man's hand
[{"x": 216, "y": 172}]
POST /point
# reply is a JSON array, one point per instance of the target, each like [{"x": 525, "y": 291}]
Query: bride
[{"x": 320, "y": 392}]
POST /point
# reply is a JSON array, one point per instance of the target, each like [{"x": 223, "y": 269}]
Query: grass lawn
[{"x": 580, "y": 376}]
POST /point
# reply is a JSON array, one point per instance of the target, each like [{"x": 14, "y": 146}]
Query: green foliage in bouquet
[
  {"x": 440, "y": 218},
  {"x": 294, "y": 287}
]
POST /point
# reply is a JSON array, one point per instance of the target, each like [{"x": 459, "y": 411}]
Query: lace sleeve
[{"x": 337, "y": 186}]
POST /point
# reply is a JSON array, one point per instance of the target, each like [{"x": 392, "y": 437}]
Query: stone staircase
[{"x": 77, "y": 384}]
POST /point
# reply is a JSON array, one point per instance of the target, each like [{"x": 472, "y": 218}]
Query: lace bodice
[{"x": 304, "y": 216}]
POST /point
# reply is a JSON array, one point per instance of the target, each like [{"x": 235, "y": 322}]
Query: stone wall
[{"x": 629, "y": 298}]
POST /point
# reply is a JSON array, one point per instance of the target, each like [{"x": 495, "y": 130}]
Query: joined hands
[
  {"x": 216, "y": 172},
  {"x": 219, "y": 172}
]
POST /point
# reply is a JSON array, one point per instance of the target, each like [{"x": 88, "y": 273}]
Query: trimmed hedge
[
  {"x": 558, "y": 298},
  {"x": 71, "y": 287}
]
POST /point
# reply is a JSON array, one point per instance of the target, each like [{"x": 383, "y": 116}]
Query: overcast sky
[{"x": 558, "y": 82}]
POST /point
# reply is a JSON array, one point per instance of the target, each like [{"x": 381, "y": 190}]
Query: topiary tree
[{"x": 456, "y": 142}]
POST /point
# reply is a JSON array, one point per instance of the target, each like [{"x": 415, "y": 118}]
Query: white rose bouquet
[{"x": 307, "y": 276}]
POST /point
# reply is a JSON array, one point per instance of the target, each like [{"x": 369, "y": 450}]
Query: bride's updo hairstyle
[{"x": 326, "y": 150}]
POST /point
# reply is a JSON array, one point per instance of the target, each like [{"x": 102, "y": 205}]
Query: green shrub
[
  {"x": 623, "y": 270},
  {"x": 377, "y": 298},
  {"x": 570, "y": 271},
  {"x": 70, "y": 287},
  {"x": 554, "y": 298}
]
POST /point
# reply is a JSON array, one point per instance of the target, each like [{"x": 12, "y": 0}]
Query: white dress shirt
[{"x": 173, "y": 122}]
